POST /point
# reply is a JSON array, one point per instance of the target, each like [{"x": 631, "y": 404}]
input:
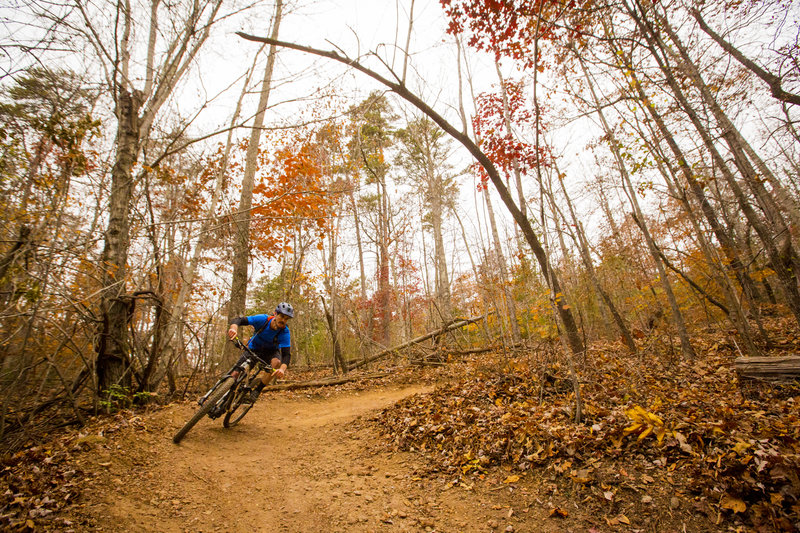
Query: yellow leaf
[
  {"x": 655, "y": 419},
  {"x": 645, "y": 433},
  {"x": 734, "y": 504},
  {"x": 511, "y": 479},
  {"x": 741, "y": 446},
  {"x": 630, "y": 429},
  {"x": 624, "y": 519}
]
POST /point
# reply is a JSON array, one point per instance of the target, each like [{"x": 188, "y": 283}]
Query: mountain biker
[{"x": 271, "y": 342}]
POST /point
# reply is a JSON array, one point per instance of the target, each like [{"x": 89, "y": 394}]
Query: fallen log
[
  {"x": 471, "y": 351},
  {"x": 324, "y": 382},
  {"x": 453, "y": 325},
  {"x": 768, "y": 368}
]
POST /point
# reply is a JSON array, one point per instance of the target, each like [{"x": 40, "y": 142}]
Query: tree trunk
[
  {"x": 330, "y": 318},
  {"x": 782, "y": 261},
  {"x": 442, "y": 277},
  {"x": 113, "y": 351},
  {"x": 241, "y": 247},
  {"x": 770, "y": 368},
  {"x": 677, "y": 316},
  {"x": 505, "y": 279},
  {"x": 459, "y": 323},
  {"x": 583, "y": 247},
  {"x": 135, "y": 113},
  {"x": 383, "y": 297}
]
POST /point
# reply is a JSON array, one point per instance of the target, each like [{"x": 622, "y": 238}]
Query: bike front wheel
[{"x": 210, "y": 402}]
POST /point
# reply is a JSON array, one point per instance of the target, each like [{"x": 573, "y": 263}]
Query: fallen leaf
[
  {"x": 734, "y": 504},
  {"x": 685, "y": 446}
]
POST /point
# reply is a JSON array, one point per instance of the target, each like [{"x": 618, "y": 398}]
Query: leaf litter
[
  {"x": 664, "y": 441},
  {"x": 662, "y": 438}
]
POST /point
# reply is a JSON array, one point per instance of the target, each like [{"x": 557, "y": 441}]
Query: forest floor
[
  {"x": 666, "y": 445},
  {"x": 298, "y": 463}
]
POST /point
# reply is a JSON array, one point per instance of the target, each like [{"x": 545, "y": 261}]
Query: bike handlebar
[{"x": 239, "y": 344}]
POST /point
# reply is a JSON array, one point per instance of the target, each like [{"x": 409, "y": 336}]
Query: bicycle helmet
[{"x": 285, "y": 308}]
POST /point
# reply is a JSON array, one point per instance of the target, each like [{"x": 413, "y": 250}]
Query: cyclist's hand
[
  {"x": 232, "y": 331},
  {"x": 279, "y": 372}
]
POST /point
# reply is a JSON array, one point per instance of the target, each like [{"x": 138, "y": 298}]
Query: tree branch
[{"x": 772, "y": 80}]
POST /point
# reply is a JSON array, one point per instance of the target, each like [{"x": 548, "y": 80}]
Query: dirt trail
[{"x": 296, "y": 463}]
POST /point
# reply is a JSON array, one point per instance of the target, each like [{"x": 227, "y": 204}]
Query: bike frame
[
  {"x": 252, "y": 361},
  {"x": 229, "y": 399}
]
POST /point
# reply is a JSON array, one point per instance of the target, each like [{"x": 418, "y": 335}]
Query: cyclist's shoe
[
  {"x": 254, "y": 393},
  {"x": 251, "y": 396}
]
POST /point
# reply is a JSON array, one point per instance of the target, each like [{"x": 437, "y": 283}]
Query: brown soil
[{"x": 298, "y": 462}]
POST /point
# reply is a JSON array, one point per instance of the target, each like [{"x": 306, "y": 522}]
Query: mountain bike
[{"x": 232, "y": 394}]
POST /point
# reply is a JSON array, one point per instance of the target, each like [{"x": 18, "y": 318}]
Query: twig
[{"x": 201, "y": 478}]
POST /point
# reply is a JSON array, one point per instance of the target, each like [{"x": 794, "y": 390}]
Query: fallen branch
[
  {"x": 325, "y": 382},
  {"x": 453, "y": 325},
  {"x": 470, "y": 352}
]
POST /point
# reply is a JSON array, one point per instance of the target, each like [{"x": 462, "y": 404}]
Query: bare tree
[
  {"x": 774, "y": 233},
  {"x": 241, "y": 247},
  {"x": 677, "y": 315},
  {"x": 424, "y": 158},
  {"x": 136, "y": 110},
  {"x": 773, "y": 81}
]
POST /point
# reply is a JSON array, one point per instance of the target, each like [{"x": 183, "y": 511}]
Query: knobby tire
[{"x": 210, "y": 402}]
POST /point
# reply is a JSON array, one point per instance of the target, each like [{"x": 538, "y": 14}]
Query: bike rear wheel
[
  {"x": 210, "y": 402},
  {"x": 239, "y": 407}
]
